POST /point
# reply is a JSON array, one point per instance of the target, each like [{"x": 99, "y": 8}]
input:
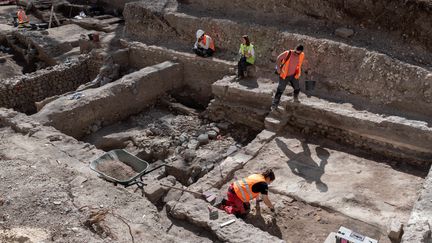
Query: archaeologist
[
  {"x": 242, "y": 191},
  {"x": 288, "y": 66},
  {"x": 23, "y": 19},
  {"x": 204, "y": 45},
  {"x": 247, "y": 57}
]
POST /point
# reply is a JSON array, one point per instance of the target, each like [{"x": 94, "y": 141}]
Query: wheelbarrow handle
[{"x": 185, "y": 190}]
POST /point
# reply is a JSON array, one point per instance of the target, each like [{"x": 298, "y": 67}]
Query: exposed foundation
[{"x": 355, "y": 152}]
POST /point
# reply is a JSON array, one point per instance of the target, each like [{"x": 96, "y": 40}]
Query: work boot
[
  {"x": 296, "y": 99},
  {"x": 219, "y": 203}
]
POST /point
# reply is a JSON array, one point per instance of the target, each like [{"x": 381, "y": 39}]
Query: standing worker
[
  {"x": 247, "y": 58},
  {"x": 242, "y": 191},
  {"x": 204, "y": 45},
  {"x": 22, "y": 17},
  {"x": 288, "y": 67}
]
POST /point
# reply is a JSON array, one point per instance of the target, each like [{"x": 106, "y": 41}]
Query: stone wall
[
  {"x": 367, "y": 79},
  {"x": 239, "y": 104},
  {"x": 394, "y": 137},
  {"x": 112, "y": 102},
  {"x": 21, "y": 92},
  {"x": 419, "y": 225},
  {"x": 411, "y": 18},
  {"x": 198, "y": 73}
]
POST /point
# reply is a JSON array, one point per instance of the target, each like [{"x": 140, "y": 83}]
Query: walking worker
[
  {"x": 247, "y": 58},
  {"x": 204, "y": 45},
  {"x": 241, "y": 192},
  {"x": 23, "y": 19},
  {"x": 288, "y": 67}
]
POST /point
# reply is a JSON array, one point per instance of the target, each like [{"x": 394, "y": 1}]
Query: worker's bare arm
[
  {"x": 279, "y": 61},
  {"x": 267, "y": 201}
]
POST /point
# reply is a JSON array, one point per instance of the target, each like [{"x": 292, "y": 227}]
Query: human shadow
[
  {"x": 249, "y": 82},
  {"x": 271, "y": 226},
  {"x": 302, "y": 164}
]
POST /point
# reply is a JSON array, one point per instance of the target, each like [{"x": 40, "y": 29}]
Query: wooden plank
[{"x": 51, "y": 16}]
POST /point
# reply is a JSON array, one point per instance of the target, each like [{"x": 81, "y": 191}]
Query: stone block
[
  {"x": 189, "y": 155},
  {"x": 212, "y": 134},
  {"x": 193, "y": 144},
  {"x": 417, "y": 232},
  {"x": 196, "y": 212},
  {"x": 344, "y": 32},
  {"x": 203, "y": 139},
  {"x": 180, "y": 170},
  {"x": 154, "y": 192}
]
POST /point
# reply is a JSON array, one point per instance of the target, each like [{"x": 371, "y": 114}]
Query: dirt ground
[
  {"x": 392, "y": 43},
  {"x": 49, "y": 193},
  {"x": 297, "y": 221},
  {"x": 332, "y": 189},
  {"x": 4, "y": 13},
  {"x": 9, "y": 68},
  {"x": 161, "y": 134}
]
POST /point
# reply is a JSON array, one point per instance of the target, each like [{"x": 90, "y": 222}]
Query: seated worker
[
  {"x": 247, "y": 58},
  {"x": 23, "y": 19},
  {"x": 242, "y": 191},
  {"x": 204, "y": 45}
]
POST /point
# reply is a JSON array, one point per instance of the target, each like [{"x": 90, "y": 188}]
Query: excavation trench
[
  {"x": 137, "y": 113},
  {"x": 189, "y": 145}
]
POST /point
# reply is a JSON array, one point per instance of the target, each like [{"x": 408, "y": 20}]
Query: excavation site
[{"x": 215, "y": 121}]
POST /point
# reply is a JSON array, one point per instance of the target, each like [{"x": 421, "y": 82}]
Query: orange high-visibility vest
[
  {"x": 243, "y": 187},
  {"x": 284, "y": 71},
  {"x": 22, "y": 17},
  {"x": 204, "y": 42}
]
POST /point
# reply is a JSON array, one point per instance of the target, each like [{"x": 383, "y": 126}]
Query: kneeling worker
[
  {"x": 204, "y": 45},
  {"x": 242, "y": 191},
  {"x": 23, "y": 19}
]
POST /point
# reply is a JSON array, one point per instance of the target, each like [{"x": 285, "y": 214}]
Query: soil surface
[
  {"x": 116, "y": 169},
  {"x": 319, "y": 188},
  {"x": 296, "y": 221},
  {"x": 48, "y": 193},
  {"x": 392, "y": 43},
  {"x": 9, "y": 67}
]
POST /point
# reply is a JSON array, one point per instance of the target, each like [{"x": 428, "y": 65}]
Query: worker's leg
[
  {"x": 295, "y": 84},
  {"x": 241, "y": 67},
  {"x": 199, "y": 51},
  {"x": 245, "y": 73},
  {"x": 209, "y": 52},
  {"x": 279, "y": 91},
  {"x": 234, "y": 205}
]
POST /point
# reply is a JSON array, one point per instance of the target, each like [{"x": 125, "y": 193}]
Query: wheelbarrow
[{"x": 137, "y": 168}]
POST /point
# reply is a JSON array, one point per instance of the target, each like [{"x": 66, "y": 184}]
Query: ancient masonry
[{"x": 113, "y": 90}]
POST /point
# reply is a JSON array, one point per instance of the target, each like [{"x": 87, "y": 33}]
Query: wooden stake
[{"x": 51, "y": 15}]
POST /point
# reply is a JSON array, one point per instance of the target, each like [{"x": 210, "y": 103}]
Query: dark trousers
[
  {"x": 203, "y": 52},
  {"x": 242, "y": 66},
  {"x": 281, "y": 88}
]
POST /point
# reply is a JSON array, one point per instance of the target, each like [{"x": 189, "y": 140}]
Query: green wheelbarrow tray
[{"x": 138, "y": 165}]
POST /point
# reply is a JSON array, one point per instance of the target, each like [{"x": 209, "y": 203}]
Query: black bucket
[{"x": 310, "y": 85}]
